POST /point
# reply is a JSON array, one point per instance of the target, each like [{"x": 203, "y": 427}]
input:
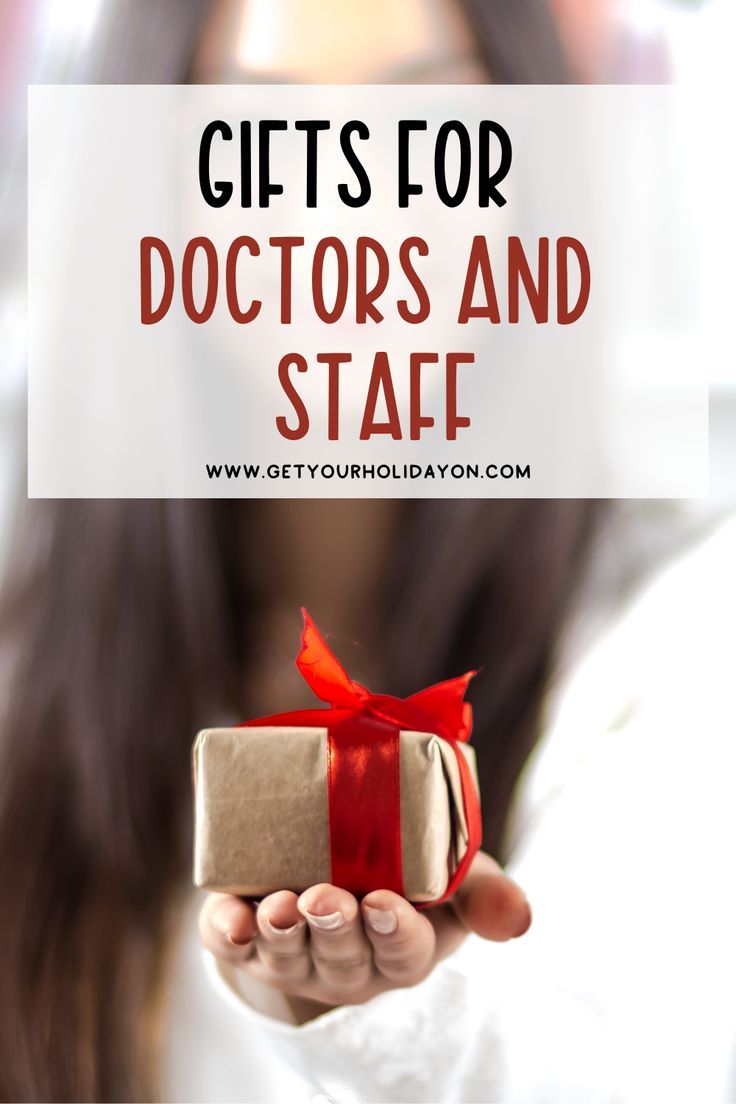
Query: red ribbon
[{"x": 363, "y": 789}]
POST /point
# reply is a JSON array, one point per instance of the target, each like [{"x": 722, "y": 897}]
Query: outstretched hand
[{"x": 326, "y": 946}]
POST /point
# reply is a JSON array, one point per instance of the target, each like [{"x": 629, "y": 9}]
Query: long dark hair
[{"x": 126, "y": 626}]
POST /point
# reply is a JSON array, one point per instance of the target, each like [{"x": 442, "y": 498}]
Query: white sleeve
[
  {"x": 434, "y": 1042},
  {"x": 480, "y": 1028}
]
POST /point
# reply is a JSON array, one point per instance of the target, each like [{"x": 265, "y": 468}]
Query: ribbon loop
[
  {"x": 322, "y": 671},
  {"x": 440, "y": 707}
]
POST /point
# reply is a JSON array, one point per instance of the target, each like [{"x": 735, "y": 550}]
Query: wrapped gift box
[
  {"x": 262, "y": 811},
  {"x": 372, "y": 792}
]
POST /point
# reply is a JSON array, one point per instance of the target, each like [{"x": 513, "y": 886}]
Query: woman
[{"x": 127, "y": 626}]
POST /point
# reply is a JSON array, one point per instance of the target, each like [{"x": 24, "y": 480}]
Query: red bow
[{"x": 363, "y": 764}]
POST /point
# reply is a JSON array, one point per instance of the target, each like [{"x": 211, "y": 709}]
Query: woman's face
[
  {"x": 333, "y": 42},
  {"x": 341, "y": 544}
]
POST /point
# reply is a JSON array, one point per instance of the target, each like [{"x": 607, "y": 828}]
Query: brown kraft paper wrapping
[{"x": 261, "y": 811}]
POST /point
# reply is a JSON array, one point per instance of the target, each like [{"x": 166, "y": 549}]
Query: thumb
[{"x": 491, "y": 904}]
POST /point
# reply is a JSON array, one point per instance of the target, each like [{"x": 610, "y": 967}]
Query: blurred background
[{"x": 60, "y": 41}]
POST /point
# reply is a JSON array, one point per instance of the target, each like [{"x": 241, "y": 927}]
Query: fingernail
[
  {"x": 223, "y": 925},
  {"x": 224, "y": 929},
  {"x": 383, "y": 921},
  {"x": 273, "y": 930},
  {"x": 331, "y": 922},
  {"x": 237, "y": 942}
]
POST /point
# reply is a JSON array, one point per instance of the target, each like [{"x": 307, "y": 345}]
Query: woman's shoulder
[
  {"x": 680, "y": 619},
  {"x": 662, "y": 671}
]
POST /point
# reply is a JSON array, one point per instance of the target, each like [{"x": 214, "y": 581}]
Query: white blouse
[{"x": 624, "y": 988}]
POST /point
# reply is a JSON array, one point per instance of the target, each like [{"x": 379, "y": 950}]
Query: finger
[
  {"x": 227, "y": 926},
  {"x": 282, "y": 942},
  {"x": 340, "y": 952},
  {"x": 490, "y": 903},
  {"x": 403, "y": 940}
]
